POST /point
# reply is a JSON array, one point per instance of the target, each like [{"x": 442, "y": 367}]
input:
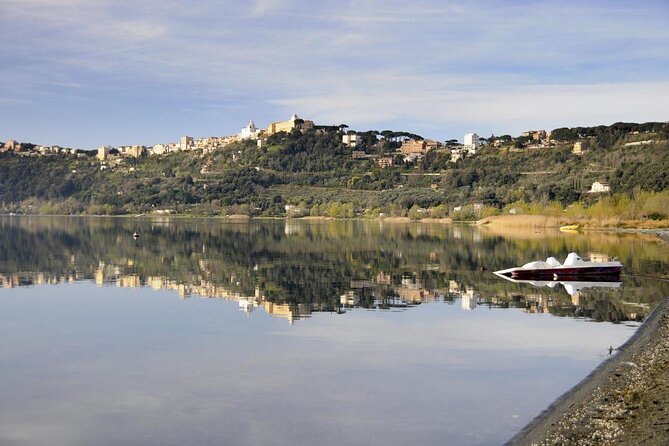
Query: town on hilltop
[{"x": 413, "y": 147}]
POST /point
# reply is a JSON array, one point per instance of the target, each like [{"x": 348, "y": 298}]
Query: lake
[{"x": 296, "y": 333}]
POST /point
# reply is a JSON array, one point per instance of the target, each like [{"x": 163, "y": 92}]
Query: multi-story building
[
  {"x": 536, "y": 135},
  {"x": 421, "y": 146},
  {"x": 350, "y": 140},
  {"x": 412, "y": 146},
  {"x": 294, "y": 122},
  {"x": 186, "y": 143},
  {"x": 159, "y": 149},
  {"x": 103, "y": 153},
  {"x": 579, "y": 147},
  {"x": 472, "y": 143},
  {"x": 135, "y": 151},
  {"x": 13, "y": 145}
]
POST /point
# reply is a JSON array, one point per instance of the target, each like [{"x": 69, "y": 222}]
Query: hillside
[{"x": 314, "y": 173}]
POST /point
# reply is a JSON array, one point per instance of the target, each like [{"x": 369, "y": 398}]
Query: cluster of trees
[{"x": 606, "y": 136}]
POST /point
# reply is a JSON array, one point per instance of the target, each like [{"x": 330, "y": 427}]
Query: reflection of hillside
[
  {"x": 292, "y": 269},
  {"x": 379, "y": 294}
]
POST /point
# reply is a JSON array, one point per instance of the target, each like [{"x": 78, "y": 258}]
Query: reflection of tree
[{"x": 298, "y": 263}]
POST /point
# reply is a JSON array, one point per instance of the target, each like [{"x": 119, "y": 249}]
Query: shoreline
[
  {"x": 621, "y": 402},
  {"x": 507, "y": 221},
  {"x": 495, "y": 223}
]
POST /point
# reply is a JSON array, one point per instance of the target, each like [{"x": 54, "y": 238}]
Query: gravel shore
[{"x": 625, "y": 401}]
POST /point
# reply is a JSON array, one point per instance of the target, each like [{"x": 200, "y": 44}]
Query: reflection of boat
[
  {"x": 573, "y": 266},
  {"x": 570, "y": 228},
  {"x": 571, "y": 284}
]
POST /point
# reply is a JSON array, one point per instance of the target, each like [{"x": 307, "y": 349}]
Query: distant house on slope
[
  {"x": 350, "y": 140},
  {"x": 600, "y": 186},
  {"x": 536, "y": 135}
]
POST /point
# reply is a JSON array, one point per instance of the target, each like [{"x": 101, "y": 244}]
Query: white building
[
  {"x": 162, "y": 149},
  {"x": 250, "y": 131},
  {"x": 350, "y": 140},
  {"x": 456, "y": 154},
  {"x": 413, "y": 157},
  {"x": 471, "y": 142},
  {"x": 600, "y": 186}
]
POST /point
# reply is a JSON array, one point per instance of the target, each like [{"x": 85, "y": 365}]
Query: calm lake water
[{"x": 296, "y": 333}]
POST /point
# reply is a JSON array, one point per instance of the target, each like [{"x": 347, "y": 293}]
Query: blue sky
[{"x": 86, "y": 73}]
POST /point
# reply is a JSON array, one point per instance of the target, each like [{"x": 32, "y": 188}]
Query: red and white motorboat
[{"x": 573, "y": 266}]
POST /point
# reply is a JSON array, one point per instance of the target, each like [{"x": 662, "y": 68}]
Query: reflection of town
[
  {"x": 385, "y": 291},
  {"x": 294, "y": 268}
]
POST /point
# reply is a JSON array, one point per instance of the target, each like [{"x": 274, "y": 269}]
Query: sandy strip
[{"x": 625, "y": 401}]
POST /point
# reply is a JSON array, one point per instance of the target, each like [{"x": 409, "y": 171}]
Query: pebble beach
[{"x": 625, "y": 401}]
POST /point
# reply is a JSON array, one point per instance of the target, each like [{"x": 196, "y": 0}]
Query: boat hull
[{"x": 520, "y": 273}]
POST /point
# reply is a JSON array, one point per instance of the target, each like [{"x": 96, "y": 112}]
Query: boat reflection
[{"x": 571, "y": 284}]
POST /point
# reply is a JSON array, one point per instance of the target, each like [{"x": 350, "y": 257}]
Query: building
[
  {"x": 412, "y": 146},
  {"x": 250, "y": 131},
  {"x": 160, "y": 149},
  {"x": 536, "y": 135},
  {"x": 431, "y": 145},
  {"x": 103, "y": 153},
  {"x": 413, "y": 157},
  {"x": 385, "y": 162},
  {"x": 600, "y": 186},
  {"x": 472, "y": 143},
  {"x": 420, "y": 146},
  {"x": 350, "y": 140},
  {"x": 135, "y": 151},
  {"x": 295, "y": 122},
  {"x": 186, "y": 143},
  {"x": 456, "y": 154},
  {"x": 13, "y": 145}
]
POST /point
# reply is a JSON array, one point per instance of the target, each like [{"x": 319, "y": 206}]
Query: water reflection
[
  {"x": 401, "y": 316},
  {"x": 293, "y": 269}
]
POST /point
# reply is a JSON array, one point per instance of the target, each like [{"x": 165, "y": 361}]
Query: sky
[{"x": 86, "y": 73}]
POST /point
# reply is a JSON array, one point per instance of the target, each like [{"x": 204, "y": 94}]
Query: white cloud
[
  {"x": 490, "y": 107},
  {"x": 264, "y": 7},
  {"x": 140, "y": 30},
  {"x": 369, "y": 61}
]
